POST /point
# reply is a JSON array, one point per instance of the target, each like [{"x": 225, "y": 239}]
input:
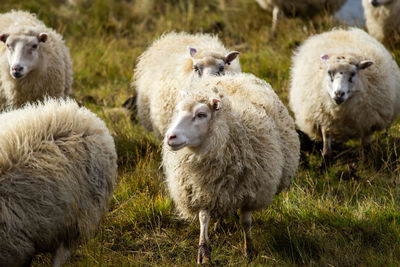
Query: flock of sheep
[{"x": 229, "y": 143}]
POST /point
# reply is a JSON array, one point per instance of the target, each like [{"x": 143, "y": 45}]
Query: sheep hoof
[{"x": 204, "y": 255}]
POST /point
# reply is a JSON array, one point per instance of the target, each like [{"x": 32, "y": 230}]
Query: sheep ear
[
  {"x": 42, "y": 37},
  {"x": 3, "y": 37},
  {"x": 324, "y": 57},
  {"x": 216, "y": 104},
  {"x": 192, "y": 51},
  {"x": 231, "y": 57},
  {"x": 364, "y": 64}
]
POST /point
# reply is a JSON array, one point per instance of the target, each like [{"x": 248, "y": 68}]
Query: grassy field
[{"x": 345, "y": 214}]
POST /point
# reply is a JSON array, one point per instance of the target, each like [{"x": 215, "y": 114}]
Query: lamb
[
  {"x": 168, "y": 65},
  {"x": 221, "y": 153},
  {"x": 58, "y": 167},
  {"x": 34, "y": 61},
  {"x": 308, "y": 8},
  {"x": 344, "y": 85},
  {"x": 382, "y": 18}
]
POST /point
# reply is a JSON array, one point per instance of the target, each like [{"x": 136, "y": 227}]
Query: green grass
[{"x": 344, "y": 214}]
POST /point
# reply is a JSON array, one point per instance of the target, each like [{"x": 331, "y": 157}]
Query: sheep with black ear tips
[
  {"x": 168, "y": 65},
  {"x": 344, "y": 85},
  {"x": 303, "y": 8},
  {"x": 58, "y": 167},
  {"x": 34, "y": 61},
  {"x": 221, "y": 153},
  {"x": 382, "y": 18}
]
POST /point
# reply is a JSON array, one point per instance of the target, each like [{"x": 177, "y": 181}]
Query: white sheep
[
  {"x": 303, "y": 8},
  {"x": 344, "y": 85},
  {"x": 222, "y": 153},
  {"x": 382, "y": 18},
  {"x": 57, "y": 172},
  {"x": 168, "y": 65},
  {"x": 34, "y": 61}
]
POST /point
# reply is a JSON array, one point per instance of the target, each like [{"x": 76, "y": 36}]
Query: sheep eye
[
  {"x": 34, "y": 46},
  {"x": 196, "y": 68},
  {"x": 201, "y": 115}
]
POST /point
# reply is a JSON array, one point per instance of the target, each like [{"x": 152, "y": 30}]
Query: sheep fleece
[
  {"x": 251, "y": 154},
  {"x": 52, "y": 78},
  {"x": 57, "y": 173},
  {"x": 383, "y": 21},
  {"x": 163, "y": 70},
  {"x": 303, "y": 7},
  {"x": 374, "y": 107}
]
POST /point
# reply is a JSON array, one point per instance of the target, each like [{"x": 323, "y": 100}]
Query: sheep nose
[
  {"x": 17, "y": 68},
  {"x": 171, "y": 137},
  {"x": 339, "y": 94}
]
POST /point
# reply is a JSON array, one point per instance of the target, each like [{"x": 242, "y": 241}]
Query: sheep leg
[
  {"x": 245, "y": 221},
  {"x": 204, "y": 255},
  {"x": 275, "y": 20},
  {"x": 327, "y": 144},
  {"x": 60, "y": 256}
]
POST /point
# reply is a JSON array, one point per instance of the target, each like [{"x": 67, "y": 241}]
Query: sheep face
[
  {"x": 191, "y": 124},
  {"x": 377, "y": 3},
  {"x": 23, "y": 53},
  {"x": 342, "y": 77},
  {"x": 210, "y": 63}
]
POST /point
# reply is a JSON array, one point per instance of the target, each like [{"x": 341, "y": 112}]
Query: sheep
[
  {"x": 57, "y": 173},
  {"x": 221, "y": 153},
  {"x": 382, "y": 18},
  {"x": 344, "y": 85},
  {"x": 168, "y": 65},
  {"x": 308, "y": 8},
  {"x": 34, "y": 61}
]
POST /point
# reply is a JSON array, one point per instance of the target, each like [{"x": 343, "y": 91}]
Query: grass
[{"x": 344, "y": 214}]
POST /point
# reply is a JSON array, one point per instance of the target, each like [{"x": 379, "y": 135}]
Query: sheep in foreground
[
  {"x": 308, "y": 8},
  {"x": 57, "y": 173},
  {"x": 168, "y": 65},
  {"x": 382, "y": 18},
  {"x": 34, "y": 61},
  {"x": 344, "y": 85},
  {"x": 221, "y": 153}
]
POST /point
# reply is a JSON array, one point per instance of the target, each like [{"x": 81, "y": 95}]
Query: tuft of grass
[{"x": 343, "y": 214}]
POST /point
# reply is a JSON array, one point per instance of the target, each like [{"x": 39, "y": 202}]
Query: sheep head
[
  {"x": 377, "y": 3},
  {"x": 210, "y": 63},
  {"x": 192, "y": 122},
  {"x": 23, "y": 52},
  {"x": 342, "y": 76}
]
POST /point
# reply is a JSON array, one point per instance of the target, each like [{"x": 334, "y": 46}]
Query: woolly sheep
[
  {"x": 57, "y": 173},
  {"x": 382, "y": 18},
  {"x": 221, "y": 153},
  {"x": 344, "y": 85},
  {"x": 34, "y": 61},
  {"x": 168, "y": 65},
  {"x": 302, "y": 8}
]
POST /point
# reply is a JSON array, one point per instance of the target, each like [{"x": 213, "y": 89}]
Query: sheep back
[
  {"x": 306, "y": 8},
  {"x": 57, "y": 173}
]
